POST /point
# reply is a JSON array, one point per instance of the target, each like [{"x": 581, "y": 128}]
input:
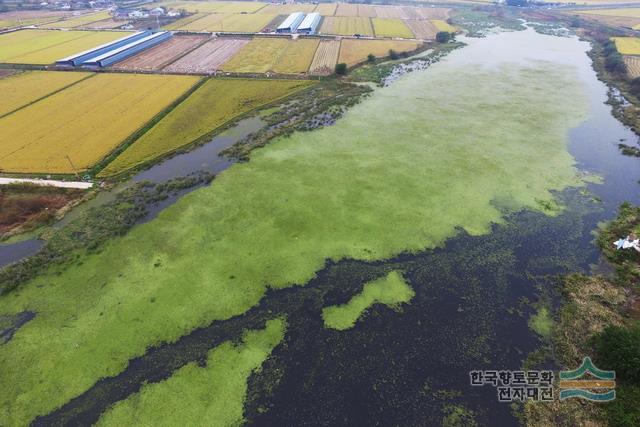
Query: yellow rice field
[
  {"x": 627, "y": 13},
  {"x": 77, "y": 127},
  {"x": 257, "y": 56},
  {"x": 212, "y": 105},
  {"x": 443, "y": 25},
  {"x": 627, "y": 45},
  {"x": 354, "y": 51},
  {"x": 45, "y": 47},
  {"x": 218, "y": 22},
  {"x": 326, "y": 9},
  {"x": 216, "y": 6},
  {"x": 346, "y": 26},
  {"x": 286, "y": 9},
  {"x": 297, "y": 56},
  {"x": 80, "y": 21},
  {"x": 389, "y": 27},
  {"x": 24, "y": 88},
  {"x": 183, "y": 24},
  {"x": 347, "y": 9}
]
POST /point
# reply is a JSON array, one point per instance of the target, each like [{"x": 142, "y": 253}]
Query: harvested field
[
  {"x": 271, "y": 26},
  {"x": 42, "y": 137},
  {"x": 217, "y": 6},
  {"x": 411, "y": 12},
  {"x": 205, "y": 23},
  {"x": 252, "y": 23},
  {"x": 422, "y": 29},
  {"x": 391, "y": 27},
  {"x": 366, "y": 11},
  {"x": 297, "y": 56},
  {"x": 354, "y": 51},
  {"x": 389, "y": 12},
  {"x": 182, "y": 24},
  {"x": 29, "y": 17},
  {"x": 24, "y": 88},
  {"x": 209, "y": 57},
  {"x": 443, "y": 26},
  {"x": 347, "y": 9},
  {"x": 163, "y": 54},
  {"x": 326, "y": 9},
  {"x": 434, "y": 13},
  {"x": 633, "y": 66},
  {"x": 258, "y": 56},
  {"x": 81, "y": 21},
  {"x": 626, "y": 13},
  {"x": 241, "y": 7},
  {"x": 627, "y": 45},
  {"x": 44, "y": 47},
  {"x": 212, "y": 105},
  {"x": 346, "y": 26},
  {"x": 286, "y": 9},
  {"x": 326, "y": 57}
]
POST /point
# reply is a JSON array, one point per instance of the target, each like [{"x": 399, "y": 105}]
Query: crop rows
[
  {"x": 325, "y": 58},
  {"x": 627, "y": 45},
  {"x": 633, "y": 66},
  {"x": 346, "y": 26},
  {"x": 354, "y": 51},
  {"x": 422, "y": 29},
  {"x": 391, "y": 27},
  {"x": 163, "y": 54},
  {"x": 209, "y": 57}
]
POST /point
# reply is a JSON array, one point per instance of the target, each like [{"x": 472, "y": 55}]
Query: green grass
[
  {"x": 194, "y": 395},
  {"x": 212, "y": 105},
  {"x": 390, "y": 290},
  {"x": 464, "y": 142}
]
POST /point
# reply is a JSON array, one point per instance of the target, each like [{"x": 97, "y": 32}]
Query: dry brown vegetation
[
  {"x": 325, "y": 58},
  {"x": 209, "y": 57},
  {"x": 163, "y": 54}
]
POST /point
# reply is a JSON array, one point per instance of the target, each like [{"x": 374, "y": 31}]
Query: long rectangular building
[
  {"x": 290, "y": 25},
  {"x": 309, "y": 24},
  {"x": 127, "y": 50},
  {"x": 80, "y": 58}
]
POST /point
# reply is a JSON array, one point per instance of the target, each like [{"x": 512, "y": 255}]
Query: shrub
[
  {"x": 443, "y": 37},
  {"x": 624, "y": 411},
  {"x": 634, "y": 87},
  {"x": 393, "y": 54},
  {"x": 341, "y": 69},
  {"x": 371, "y": 57},
  {"x": 618, "y": 348}
]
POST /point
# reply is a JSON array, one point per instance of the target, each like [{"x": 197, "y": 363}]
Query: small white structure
[{"x": 309, "y": 24}]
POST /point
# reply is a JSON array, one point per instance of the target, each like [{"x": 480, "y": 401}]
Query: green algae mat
[{"x": 454, "y": 147}]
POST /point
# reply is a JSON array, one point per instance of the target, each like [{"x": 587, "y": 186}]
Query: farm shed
[
  {"x": 309, "y": 24},
  {"x": 291, "y": 24},
  {"x": 80, "y": 58},
  {"x": 127, "y": 50}
]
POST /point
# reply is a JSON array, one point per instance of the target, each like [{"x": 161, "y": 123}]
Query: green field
[
  {"x": 390, "y": 290},
  {"x": 384, "y": 27},
  {"x": 209, "y": 107},
  {"x": 222, "y": 384},
  {"x": 45, "y": 47}
]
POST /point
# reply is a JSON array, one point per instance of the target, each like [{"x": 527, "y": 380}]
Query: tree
[
  {"x": 371, "y": 57},
  {"x": 393, "y": 54},
  {"x": 443, "y": 37},
  {"x": 634, "y": 87},
  {"x": 615, "y": 64},
  {"x": 341, "y": 69},
  {"x": 618, "y": 348}
]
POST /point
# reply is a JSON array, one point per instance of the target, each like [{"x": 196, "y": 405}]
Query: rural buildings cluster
[{"x": 298, "y": 22}]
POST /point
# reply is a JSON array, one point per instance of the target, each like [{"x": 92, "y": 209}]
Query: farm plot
[
  {"x": 24, "y": 88},
  {"x": 366, "y": 11},
  {"x": 347, "y": 9},
  {"x": 29, "y": 17},
  {"x": 44, "y": 47},
  {"x": 240, "y": 7},
  {"x": 626, "y": 13},
  {"x": 297, "y": 56},
  {"x": 212, "y": 105},
  {"x": 209, "y": 57},
  {"x": 182, "y": 23},
  {"x": 388, "y": 27},
  {"x": 217, "y": 6},
  {"x": 346, "y": 26},
  {"x": 354, "y": 51},
  {"x": 410, "y": 12},
  {"x": 106, "y": 24},
  {"x": 389, "y": 12},
  {"x": 443, "y": 26},
  {"x": 81, "y": 21},
  {"x": 325, "y": 58},
  {"x": 632, "y": 63},
  {"x": 326, "y": 9},
  {"x": 75, "y": 128},
  {"x": 251, "y": 23},
  {"x": 165, "y": 53},
  {"x": 258, "y": 56},
  {"x": 204, "y": 23},
  {"x": 286, "y": 9},
  {"x": 440, "y": 13},
  {"x": 627, "y": 45},
  {"x": 422, "y": 29}
]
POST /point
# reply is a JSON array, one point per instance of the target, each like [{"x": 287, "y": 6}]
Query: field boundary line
[
  {"x": 199, "y": 140},
  {"x": 164, "y": 65},
  {"x": 137, "y": 134},
  {"x": 47, "y": 95}
]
